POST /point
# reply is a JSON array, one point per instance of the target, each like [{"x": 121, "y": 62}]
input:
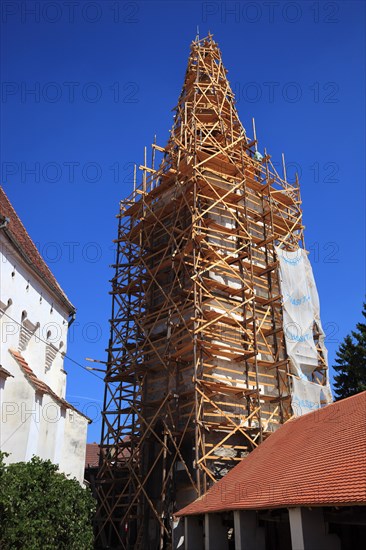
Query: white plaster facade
[{"x": 34, "y": 322}]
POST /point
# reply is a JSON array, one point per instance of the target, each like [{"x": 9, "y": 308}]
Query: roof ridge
[{"x": 47, "y": 276}]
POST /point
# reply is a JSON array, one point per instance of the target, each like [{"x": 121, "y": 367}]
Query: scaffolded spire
[{"x": 198, "y": 373}]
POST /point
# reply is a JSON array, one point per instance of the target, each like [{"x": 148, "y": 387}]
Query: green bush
[{"x": 40, "y": 508}]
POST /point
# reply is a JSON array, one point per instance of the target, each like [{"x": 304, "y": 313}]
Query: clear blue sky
[{"x": 105, "y": 76}]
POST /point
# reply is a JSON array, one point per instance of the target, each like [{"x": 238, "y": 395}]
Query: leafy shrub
[{"x": 40, "y": 508}]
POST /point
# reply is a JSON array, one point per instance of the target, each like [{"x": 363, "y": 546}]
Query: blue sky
[{"x": 86, "y": 85}]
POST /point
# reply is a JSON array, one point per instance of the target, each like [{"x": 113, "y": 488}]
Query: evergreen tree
[{"x": 351, "y": 362}]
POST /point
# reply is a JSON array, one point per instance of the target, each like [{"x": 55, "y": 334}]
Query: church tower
[{"x": 198, "y": 370}]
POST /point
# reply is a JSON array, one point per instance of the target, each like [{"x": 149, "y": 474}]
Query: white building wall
[
  {"x": 74, "y": 445},
  {"x": 34, "y": 428},
  {"x": 31, "y": 321},
  {"x": 30, "y": 295},
  {"x": 17, "y": 398}
]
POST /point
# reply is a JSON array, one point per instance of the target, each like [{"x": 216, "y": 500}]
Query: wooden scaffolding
[{"x": 197, "y": 373}]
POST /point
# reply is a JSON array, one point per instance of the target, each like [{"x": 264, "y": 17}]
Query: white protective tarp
[
  {"x": 300, "y": 311},
  {"x": 307, "y": 396}
]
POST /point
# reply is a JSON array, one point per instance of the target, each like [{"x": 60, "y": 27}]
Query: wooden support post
[
  {"x": 254, "y": 134},
  {"x": 248, "y": 535},
  {"x": 309, "y": 532},
  {"x": 193, "y": 533},
  {"x": 216, "y": 533}
]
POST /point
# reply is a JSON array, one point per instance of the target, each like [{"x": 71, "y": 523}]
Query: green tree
[
  {"x": 351, "y": 362},
  {"x": 40, "y": 508}
]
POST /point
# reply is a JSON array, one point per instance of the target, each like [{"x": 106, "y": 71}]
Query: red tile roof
[
  {"x": 18, "y": 235},
  {"x": 318, "y": 459},
  {"x": 93, "y": 451},
  {"x": 40, "y": 386},
  {"x": 92, "y": 455}
]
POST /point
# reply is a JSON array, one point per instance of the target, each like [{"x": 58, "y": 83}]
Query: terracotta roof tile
[
  {"x": 40, "y": 386},
  {"x": 92, "y": 455},
  {"x": 93, "y": 452},
  {"x": 317, "y": 459},
  {"x": 16, "y": 233}
]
